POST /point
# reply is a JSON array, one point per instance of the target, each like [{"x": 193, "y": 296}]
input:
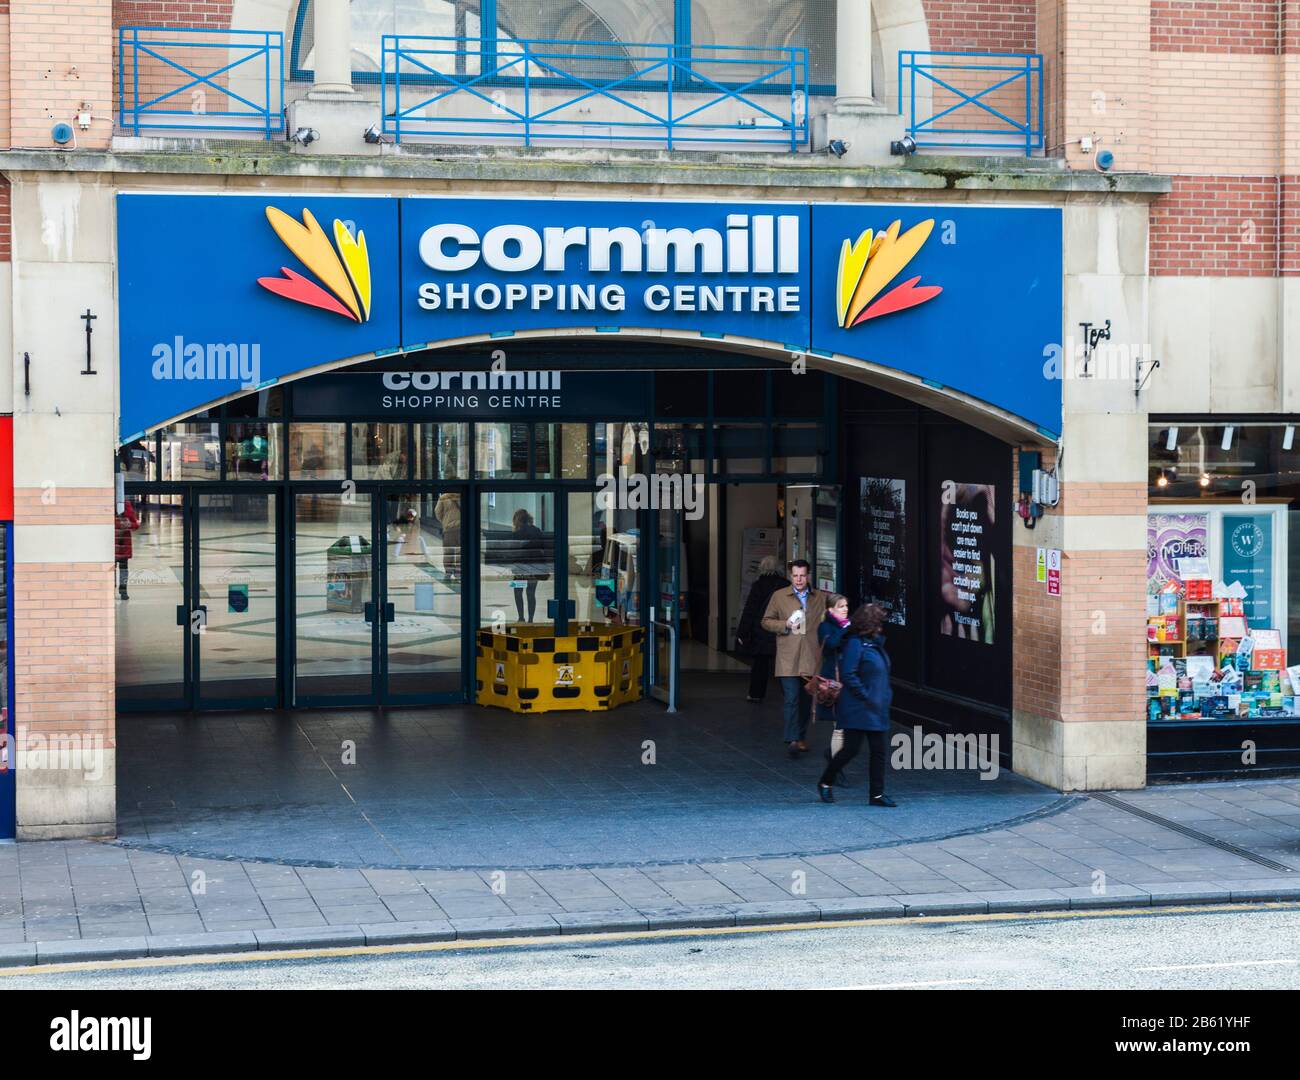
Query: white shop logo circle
[{"x": 1247, "y": 540}]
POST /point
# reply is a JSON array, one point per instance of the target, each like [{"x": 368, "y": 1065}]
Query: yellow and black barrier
[{"x": 532, "y": 669}]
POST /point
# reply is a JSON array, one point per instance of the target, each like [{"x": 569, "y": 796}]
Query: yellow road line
[{"x": 616, "y": 937}]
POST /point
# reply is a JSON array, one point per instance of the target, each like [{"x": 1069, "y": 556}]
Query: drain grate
[{"x": 1195, "y": 834}]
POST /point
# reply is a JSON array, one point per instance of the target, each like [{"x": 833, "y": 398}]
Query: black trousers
[
  {"x": 531, "y": 589},
  {"x": 759, "y": 672},
  {"x": 877, "y": 745}
]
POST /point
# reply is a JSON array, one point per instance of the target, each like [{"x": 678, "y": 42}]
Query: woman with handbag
[
  {"x": 862, "y": 709},
  {"x": 827, "y": 685}
]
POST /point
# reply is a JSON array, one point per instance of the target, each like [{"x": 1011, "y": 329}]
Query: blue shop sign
[{"x": 257, "y": 288}]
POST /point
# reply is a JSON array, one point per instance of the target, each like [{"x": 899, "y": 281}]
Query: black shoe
[
  {"x": 825, "y": 792},
  {"x": 882, "y": 800},
  {"x": 792, "y": 749},
  {"x": 123, "y": 594},
  {"x": 755, "y": 700},
  {"x": 843, "y": 778}
]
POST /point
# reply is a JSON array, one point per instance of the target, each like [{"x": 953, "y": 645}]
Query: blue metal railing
[
  {"x": 960, "y": 116},
  {"x": 530, "y": 90},
  {"x": 156, "y": 65}
]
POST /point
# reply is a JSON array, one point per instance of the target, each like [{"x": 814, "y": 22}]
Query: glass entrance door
[
  {"x": 334, "y": 611},
  {"x": 666, "y": 600},
  {"x": 516, "y": 570},
  {"x": 236, "y": 597},
  {"x": 152, "y": 600},
  {"x": 421, "y": 628}
]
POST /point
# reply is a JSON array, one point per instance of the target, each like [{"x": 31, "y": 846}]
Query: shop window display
[{"x": 1219, "y": 551}]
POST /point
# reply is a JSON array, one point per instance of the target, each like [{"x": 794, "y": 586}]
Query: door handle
[
  {"x": 370, "y": 611},
  {"x": 182, "y": 615},
  {"x": 390, "y": 612}
]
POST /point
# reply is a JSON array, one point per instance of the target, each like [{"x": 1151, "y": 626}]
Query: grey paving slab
[
  {"x": 779, "y": 911},
  {"x": 685, "y": 917},
  {"x": 506, "y": 926},
  {"x": 70, "y": 952},
  {"x": 1116, "y": 895},
  {"x": 943, "y": 904},
  {"x": 407, "y": 933},
  {"x": 1186, "y": 892},
  {"x": 601, "y": 922},
  {"x": 856, "y": 907},
  {"x": 200, "y": 943},
  {"x": 1026, "y": 900},
  {"x": 310, "y": 938},
  {"x": 14, "y": 954},
  {"x": 1263, "y": 889}
]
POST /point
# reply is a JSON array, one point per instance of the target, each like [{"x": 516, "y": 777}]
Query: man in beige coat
[{"x": 793, "y": 615}]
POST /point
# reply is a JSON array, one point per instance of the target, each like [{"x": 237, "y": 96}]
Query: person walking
[
  {"x": 862, "y": 711},
  {"x": 126, "y": 522},
  {"x": 530, "y": 567},
  {"x": 793, "y": 615},
  {"x": 830, "y": 635},
  {"x": 447, "y": 513},
  {"x": 751, "y": 639}
]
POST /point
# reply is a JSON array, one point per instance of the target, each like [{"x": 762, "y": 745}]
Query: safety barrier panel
[
  {"x": 972, "y": 100},
  {"x": 199, "y": 80},
  {"x": 532, "y": 669},
  {"x": 594, "y": 91}
]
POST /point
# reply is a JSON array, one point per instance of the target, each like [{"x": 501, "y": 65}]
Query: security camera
[
  {"x": 838, "y": 147},
  {"x": 373, "y": 134},
  {"x": 904, "y": 147},
  {"x": 304, "y": 136}
]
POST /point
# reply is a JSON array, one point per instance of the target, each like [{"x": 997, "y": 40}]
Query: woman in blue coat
[{"x": 862, "y": 711}]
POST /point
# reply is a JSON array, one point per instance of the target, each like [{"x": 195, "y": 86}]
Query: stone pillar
[
  {"x": 1079, "y": 659},
  {"x": 858, "y": 127},
  {"x": 64, "y": 437},
  {"x": 853, "y": 55},
  {"x": 332, "y": 34}
]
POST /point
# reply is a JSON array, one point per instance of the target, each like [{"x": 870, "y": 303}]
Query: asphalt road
[{"x": 1190, "y": 949}]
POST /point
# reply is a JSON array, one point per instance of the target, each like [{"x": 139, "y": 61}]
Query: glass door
[
  {"x": 666, "y": 601},
  {"x": 516, "y": 570},
  {"x": 153, "y": 623},
  {"x": 335, "y": 632},
  {"x": 237, "y": 599},
  {"x": 421, "y": 629}
]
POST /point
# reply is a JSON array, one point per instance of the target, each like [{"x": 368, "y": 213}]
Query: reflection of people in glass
[
  {"x": 409, "y": 534},
  {"x": 966, "y": 584},
  {"x": 530, "y": 548},
  {"x": 127, "y": 522},
  {"x": 447, "y": 511}
]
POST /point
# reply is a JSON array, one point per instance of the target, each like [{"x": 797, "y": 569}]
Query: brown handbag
[{"x": 822, "y": 690}]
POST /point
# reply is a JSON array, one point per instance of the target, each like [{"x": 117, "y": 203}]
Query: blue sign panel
[
  {"x": 196, "y": 324},
  {"x": 220, "y": 293},
  {"x": 1248, "y": 558},
  {"x": 474, "y": 265},
  {"x": 967, "y": 297}
]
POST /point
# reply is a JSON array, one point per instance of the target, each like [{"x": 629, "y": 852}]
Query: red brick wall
[
  {"x": 6, "y": 221},
  {"x": 214, "y": 14},
  {"x": 1217, "y": 226},
  {"x": 1290, "y": 253},
  {"x": 983, "y": 25},
  {"x": 1216, "y": 26}
]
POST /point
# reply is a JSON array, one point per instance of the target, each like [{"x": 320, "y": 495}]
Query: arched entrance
[{"x": 340, "y": 538}]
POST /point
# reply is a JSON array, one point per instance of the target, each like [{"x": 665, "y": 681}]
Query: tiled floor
[{"x": 477, "y": 787}]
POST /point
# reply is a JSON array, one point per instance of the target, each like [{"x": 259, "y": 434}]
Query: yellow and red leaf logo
[
  {"x": 345, "y": 273},
  {"x": 870, "y": 263}
]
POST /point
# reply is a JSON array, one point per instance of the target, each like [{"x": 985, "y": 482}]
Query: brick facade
[
  {"x": 188, "y": 14},
  {"x": 982, "y": 25},
  {"x": 1289, "y": 255},
  {"x": 1219, "y": 226},
  {"x": 1216, "y": 26},
  {"x": 6, "y": 221}
]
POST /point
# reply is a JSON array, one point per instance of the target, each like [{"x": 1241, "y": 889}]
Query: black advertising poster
[
  {"x": 967, "y": 576},
  {"x": 884, "y": 527}
]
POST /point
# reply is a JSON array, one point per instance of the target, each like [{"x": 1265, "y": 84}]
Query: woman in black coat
[
  {"x": 862, "y": 711},
  {"x": 751, "y": 638},
  {"x": 530, "y": 565}
]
